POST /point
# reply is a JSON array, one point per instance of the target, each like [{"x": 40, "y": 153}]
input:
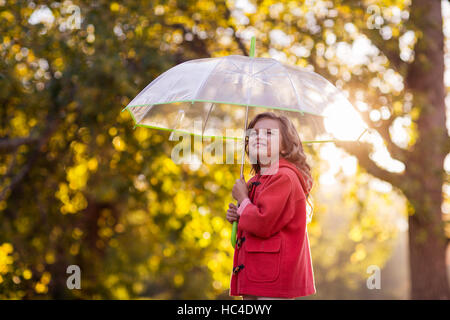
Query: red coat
[{"x": 273, "y": 259}]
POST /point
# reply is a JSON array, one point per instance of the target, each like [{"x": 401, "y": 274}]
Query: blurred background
[{"x": 80, "y": 186}]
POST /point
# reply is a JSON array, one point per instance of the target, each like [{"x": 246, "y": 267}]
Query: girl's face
[{"x": 265, "y": 140}]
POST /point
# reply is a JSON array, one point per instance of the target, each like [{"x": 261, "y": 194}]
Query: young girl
[{"x": 272, "y": 257}]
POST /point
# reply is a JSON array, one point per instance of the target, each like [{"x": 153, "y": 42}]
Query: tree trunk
[
  {"x": 427, "y": 262},
  {"x": 427, "y": 249},
  {"x": 424, "y": 173}
]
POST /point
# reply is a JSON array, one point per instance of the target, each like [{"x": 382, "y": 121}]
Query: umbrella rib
[
  {"x": 207, "y": 117},
  {"x": 248, "y": 89},
  {"x": 295, "y": 90},
  {"x": 264, "y": 69},
  {"x": 237, "y": 68},
  {"x": 147, "y": 87},
  {"x": 219, "y": 61},
  {"x": 145, "y": 113}
]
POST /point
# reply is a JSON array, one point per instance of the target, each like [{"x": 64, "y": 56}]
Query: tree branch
[
  {"x": 197, "y": 45},
  {"x": 387, "y": 47},
  {"x": 50, "y": 129},
  {"x": 8, "y": 145},
  {"x": 235, "y": 36},
  {"x": 383, "y": 129},
  {"x": 361, "y": 151},
  {"x": 395, "y": 151},
  {"x": 10, "y": 169}
]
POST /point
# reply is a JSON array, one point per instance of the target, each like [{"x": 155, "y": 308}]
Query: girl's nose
[{"x": 261, "y": 140}]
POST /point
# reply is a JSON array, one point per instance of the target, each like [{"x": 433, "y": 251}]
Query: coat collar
[{"x": 273, "y": 169}]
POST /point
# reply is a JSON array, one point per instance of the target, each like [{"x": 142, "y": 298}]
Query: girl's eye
[{"x": 262, "y": 132}]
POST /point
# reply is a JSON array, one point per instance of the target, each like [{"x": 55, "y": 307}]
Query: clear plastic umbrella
[{"x": 222, "y": 93}]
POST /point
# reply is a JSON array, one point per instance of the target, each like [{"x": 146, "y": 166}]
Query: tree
[{"x": 422, "y": 180}]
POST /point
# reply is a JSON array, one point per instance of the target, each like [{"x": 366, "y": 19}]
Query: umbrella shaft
[{"x": 243, "y": 139}]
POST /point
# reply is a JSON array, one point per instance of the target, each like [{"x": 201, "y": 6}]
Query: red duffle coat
[{"x": 272, "y": 255}]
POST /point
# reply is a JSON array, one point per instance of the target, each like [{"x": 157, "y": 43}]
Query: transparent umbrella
[{"x": 222, "y": 93}]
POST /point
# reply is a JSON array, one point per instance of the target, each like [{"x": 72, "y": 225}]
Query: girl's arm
[
  {"x": 272, "y": 211},
  {"x": 242, "y": 206}
]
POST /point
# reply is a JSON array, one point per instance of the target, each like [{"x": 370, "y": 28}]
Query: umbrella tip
[{"x": 252, "y": 46}]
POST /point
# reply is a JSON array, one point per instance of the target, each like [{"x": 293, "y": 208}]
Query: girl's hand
[
  {"x": 240, "y": 191},
  {"x": 232, "y": 214}
]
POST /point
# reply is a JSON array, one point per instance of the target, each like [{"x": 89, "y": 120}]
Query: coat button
[
  {"x": 239, "y": 242},
  {"x": 238, "y": 268}
]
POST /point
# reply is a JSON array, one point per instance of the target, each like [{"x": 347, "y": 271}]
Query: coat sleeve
[{"x": 271, "y": 211}]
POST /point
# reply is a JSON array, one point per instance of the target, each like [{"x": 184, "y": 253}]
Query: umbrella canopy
[{"x": 211, "y": 89}]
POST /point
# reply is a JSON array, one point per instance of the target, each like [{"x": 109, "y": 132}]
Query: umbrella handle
[{"x": 233, "y": 234}]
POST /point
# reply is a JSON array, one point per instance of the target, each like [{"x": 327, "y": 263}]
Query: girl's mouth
[{"x": 259, "y": 145}]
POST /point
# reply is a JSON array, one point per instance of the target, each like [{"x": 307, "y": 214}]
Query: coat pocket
[{"x": 262, "y": 258}]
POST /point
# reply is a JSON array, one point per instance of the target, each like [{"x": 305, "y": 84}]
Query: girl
[{"x": 272, "y": 256}]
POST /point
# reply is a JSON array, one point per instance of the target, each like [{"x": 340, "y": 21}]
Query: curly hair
[{"x": 293, "y": 148}]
